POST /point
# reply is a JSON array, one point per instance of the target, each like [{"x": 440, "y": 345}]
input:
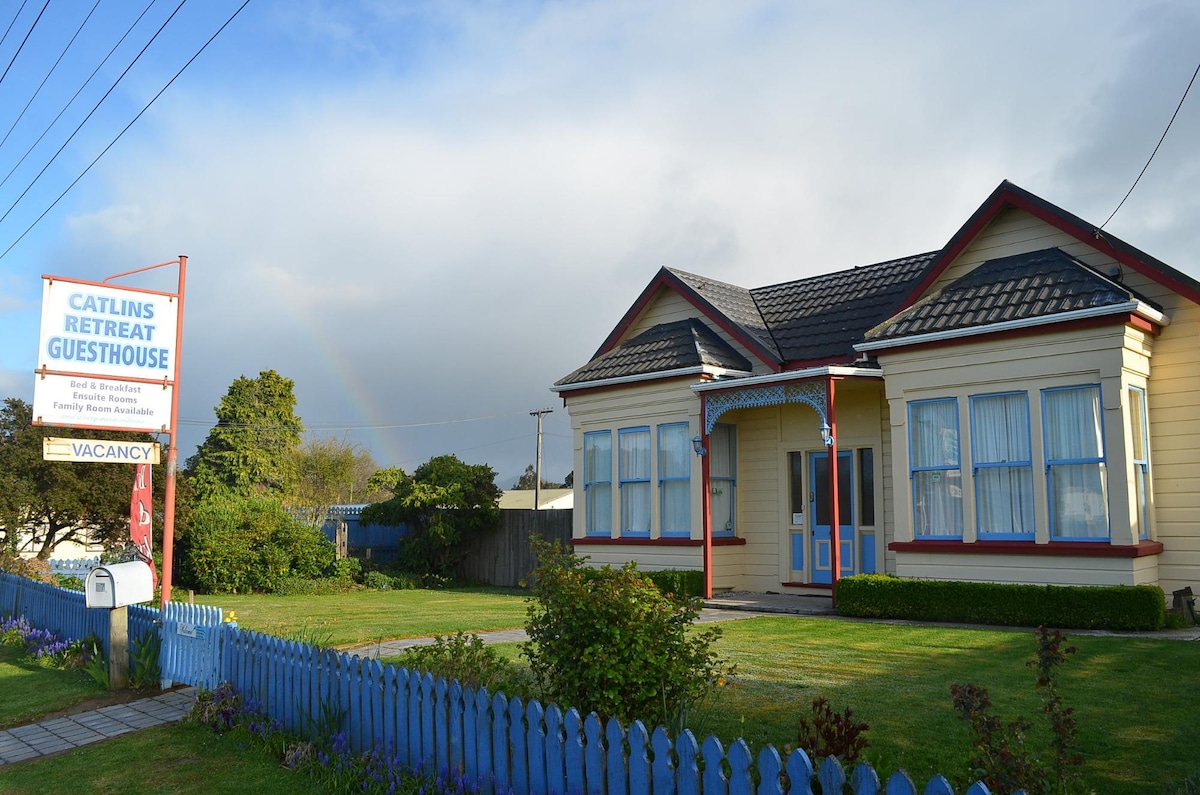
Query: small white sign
[
  {"x": 100, "y": 450},
  {"x": 186, "y": 630},
  {"x": 101, "y": 403}
]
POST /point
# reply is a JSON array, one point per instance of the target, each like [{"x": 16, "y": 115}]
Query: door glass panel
[{"x": 820, "y": 466}]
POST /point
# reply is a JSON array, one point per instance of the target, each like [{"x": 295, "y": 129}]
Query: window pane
[
  {"x": 798, "y": 491},
  {"x": 599, "y": 508},
  {"x": 635, "y": 508},
  {"x": 1137, "y": 423},
  {"x": 1073, "y": 429},
  {"x": 674, "y": 451},
  {"x": 1001, "y": 428},
  {"x": 597, "y": 457},
  {"x": 722, "y": 451},
  {"x": 937, "y": 503},
  {"x": 866, "y": 486},
  {"x": 635, "y": 455},
  {"x": 721, "y": 506},
  {"x": 934, "y": 433},
  {"x": 1078, "y": 503},
  {"x": 676, "y": 506},
  {"x": 1005, "y": 496}
]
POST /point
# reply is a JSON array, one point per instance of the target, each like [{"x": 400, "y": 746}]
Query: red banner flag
[{"x": 140, "y": 505}]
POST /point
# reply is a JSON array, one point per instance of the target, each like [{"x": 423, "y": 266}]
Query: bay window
[
  {"x": 634, "y": 473},
  {"x": 934, "y": 468},
  {"x": 674, "y": 479},
  {"x": 1075, "y": 472},
  {"x": 1003, "y": 466}
]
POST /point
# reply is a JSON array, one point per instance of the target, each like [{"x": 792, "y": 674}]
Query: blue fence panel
[
  {"x": 73, "y": 567},
  {"x": 438, "y": 726}
]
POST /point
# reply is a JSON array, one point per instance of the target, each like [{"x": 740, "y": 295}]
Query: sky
[{"x": 425, "y": 213}]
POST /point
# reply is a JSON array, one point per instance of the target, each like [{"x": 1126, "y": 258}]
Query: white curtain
[
  {"x": 597, "y": 476},
  {"x": 674, "y": 470},
  {"x": 635, "y": 481},
  {"x": 1000, "y": 435},
  {"x": 1074, "y": 453},
  {"x": 937, "y": 492},
  {"x": 722, "y": 473}
]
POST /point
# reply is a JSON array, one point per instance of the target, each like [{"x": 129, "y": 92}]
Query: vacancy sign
[
  {"x": 106, "y": 357},
  {"x": 101, "y": 451}
]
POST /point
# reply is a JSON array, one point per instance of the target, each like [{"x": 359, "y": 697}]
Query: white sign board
[
  {"x": 106, "y": 330},
  {"x": 101, "y": 403},
  {"x": 94, "y": 338},
  {"x": 100, "y": 450}
]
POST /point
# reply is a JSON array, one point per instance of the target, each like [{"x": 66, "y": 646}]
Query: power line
[
  {"x": 1156, "y": 146},
  {"x": 123, "y": 131},
  {"x": 42, "y": 84},
  {"x": 27, "y": 35},
  {"x": 12, "y": 22}
]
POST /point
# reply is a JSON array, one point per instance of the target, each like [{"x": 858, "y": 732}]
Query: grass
[
  {"x": 31, "y": 690},
  {"x": 182, "y": 758},
  {"x": 1135, "y": 697},
  {"x": 362, "y": 617}
]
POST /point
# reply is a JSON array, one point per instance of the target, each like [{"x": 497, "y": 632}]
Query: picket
[{"x": 501, "y": 745}]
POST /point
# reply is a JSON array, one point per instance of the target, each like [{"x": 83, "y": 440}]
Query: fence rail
[{"x": 437, "y": 725}]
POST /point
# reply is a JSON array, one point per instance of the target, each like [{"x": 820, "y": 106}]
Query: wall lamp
[
  {"x": 826, "y": 434},
  {"x": 698, "y": 445}
]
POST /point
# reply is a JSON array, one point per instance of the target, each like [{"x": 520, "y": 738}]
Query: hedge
[{"x": 1121, "y": 607}]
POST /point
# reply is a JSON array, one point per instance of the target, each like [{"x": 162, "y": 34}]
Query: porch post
[
  {"x": 705, "y": 502},
  {"x": 835, "y": 520}
]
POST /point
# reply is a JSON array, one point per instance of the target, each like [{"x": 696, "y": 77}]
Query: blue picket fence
[
  {"x": 437, "y": 725},
  {"x": 73, "y": 567}
]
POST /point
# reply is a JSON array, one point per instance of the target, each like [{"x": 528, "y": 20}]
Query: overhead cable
[{"x": 28, "y": 33}]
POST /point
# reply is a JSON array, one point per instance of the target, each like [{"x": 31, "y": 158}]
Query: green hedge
[
  {"x": 1122, "y": 607},
  {"x": 681, "y": 582}
]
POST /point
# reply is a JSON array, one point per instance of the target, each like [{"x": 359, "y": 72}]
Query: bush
[
  {"x": 1122, "y": 607},
  {"x": 609, "y": 641},
  {"x": 462, "y": 657},
  {"x": 245, "y": 544},
  {"x": 30, "y": 568},
  {"x": 680, "y": 582},
  {"x": 829, "y": 734},
  {"x": 379, "y": 581},
  {"x": 345, "y": 569}
]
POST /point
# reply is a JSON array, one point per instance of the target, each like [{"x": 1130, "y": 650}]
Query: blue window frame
[
  {"x": 635, "y": 477},
  {"x": 1140, "y": 458},
  {"x": 597, "y": 482},
  {"x": 934, "y": 468},
  {"x": 1001, "y": 457},
  {"x": 1076, "y": 480},
  {"x": 722, "y": 480},
  {"x": 675, "y": 479}
]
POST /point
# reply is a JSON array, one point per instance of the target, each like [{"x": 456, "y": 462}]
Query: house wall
[
  {"x": 1174, "y": 402},
  {"x": 652, "y": 404},
  {"x": 1114, "y": 357}
]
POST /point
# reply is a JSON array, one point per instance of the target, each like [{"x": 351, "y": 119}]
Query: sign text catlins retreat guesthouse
[{"x": 106, "y": 356}]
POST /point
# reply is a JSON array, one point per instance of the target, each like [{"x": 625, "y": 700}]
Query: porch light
[
  {"x": 698, "y": 445},
  {"x": 826, "y": 434}
]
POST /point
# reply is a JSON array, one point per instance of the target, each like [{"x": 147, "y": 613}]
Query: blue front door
[{"x": 822, "y": 567}]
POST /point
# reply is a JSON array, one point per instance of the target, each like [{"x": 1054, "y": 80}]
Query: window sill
[
  {"x": 667, "y": 541},
  {"x": 1054, "y": 548}
]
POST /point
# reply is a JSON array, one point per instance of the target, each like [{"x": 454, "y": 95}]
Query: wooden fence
[
  {"x": 504, "y": 557},
  {"x": 503, "y": 745}
]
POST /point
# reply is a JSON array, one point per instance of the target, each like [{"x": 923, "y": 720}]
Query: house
[
  {"x": 548, "y": 499},
  {"x": 1018, "y": 406}
]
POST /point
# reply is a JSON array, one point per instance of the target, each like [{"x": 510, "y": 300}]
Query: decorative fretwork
[{"x": 810, "y": 393}]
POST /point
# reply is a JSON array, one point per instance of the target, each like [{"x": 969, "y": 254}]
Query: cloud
[{"x": 457, "y": 210}]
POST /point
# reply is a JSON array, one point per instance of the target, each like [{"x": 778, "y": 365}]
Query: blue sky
[{"x": 426, "y": 213}]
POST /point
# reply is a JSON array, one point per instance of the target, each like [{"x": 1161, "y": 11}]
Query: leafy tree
[
  {"x": 46, "y": 503},
  {"x": 608, "y": 640},
  {"x": 443, "y": 503},
  {"x": 329, "y": 472},
  {"x": 526, "y": 481},
  {"x": 250, "y": 543},
  {"x": 569, "y": 480},
  {"x": 252, "y": 449}
]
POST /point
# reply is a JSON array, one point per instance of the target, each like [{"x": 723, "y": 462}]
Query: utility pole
[{"x": 537, "y": 462}]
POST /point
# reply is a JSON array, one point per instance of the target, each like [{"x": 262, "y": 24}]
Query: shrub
[
  {"x": 829, "y": 734},
  {"x": 680, "y": 582},
  {"x": 244, "y": 544},
  {"x": 30, "y": 568},
  {"x": 609, "y": 641},
  {"x": 345, "y": 569},
  {"x": 461, "y": 656},
  {"x": 379, "y": 581},
  {"x": 1002, "y": 758},
  {"x": 1122, "y": 607}
]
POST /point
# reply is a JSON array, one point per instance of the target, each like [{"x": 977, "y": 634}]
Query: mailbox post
[{"x": 115, "y": 587}]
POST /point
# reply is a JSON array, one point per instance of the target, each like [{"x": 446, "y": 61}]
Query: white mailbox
[{"x": 119, "y": 584}]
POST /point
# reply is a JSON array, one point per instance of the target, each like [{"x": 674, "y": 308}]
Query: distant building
[{"x": 550, "y": 500}]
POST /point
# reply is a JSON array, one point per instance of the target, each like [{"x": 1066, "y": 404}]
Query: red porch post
[
  {"x": 835, "y": 538},
  {"x": 705, "y": 502}
]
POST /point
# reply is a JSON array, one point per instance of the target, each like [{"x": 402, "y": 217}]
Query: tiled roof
[
  {"x": 737, "y": 304},
  {"x": 1020, "y": 287},
  {"x": 669, "y": 346},
  {"x": 821, "y": 318}
]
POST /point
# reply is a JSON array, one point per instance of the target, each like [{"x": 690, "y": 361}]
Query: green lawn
[
  {"x": 361, "y": 617},
  {"x": 182, "y": 759},
  {"x": 1135, "y": 697},
  {"x": 29, "y": 690}
]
